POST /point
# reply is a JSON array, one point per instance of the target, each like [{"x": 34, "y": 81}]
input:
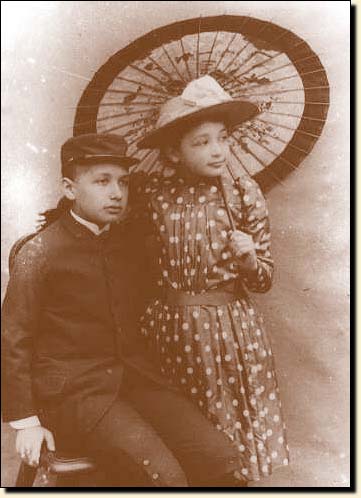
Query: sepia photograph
[{"x": 175, "y": 234}]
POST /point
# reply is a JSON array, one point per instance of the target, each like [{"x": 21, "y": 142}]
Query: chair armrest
[{"x": 62, "y": 464}]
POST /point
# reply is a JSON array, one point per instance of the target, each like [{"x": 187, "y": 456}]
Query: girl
[{"x": 213, "y": 244}]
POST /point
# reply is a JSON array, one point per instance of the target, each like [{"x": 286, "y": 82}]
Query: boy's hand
[
  {"x": 243, "y": 248},
  {"x": 29, "y": 441}
]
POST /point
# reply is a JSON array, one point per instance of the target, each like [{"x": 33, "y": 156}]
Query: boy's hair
[
  {"x": 68, "y": 170},
  {"x": 49, "y": 216}
]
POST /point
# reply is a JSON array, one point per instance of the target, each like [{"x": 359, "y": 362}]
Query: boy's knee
[
  {"x": 161, "y": 470},
  {"x": 175, "y": 478}
]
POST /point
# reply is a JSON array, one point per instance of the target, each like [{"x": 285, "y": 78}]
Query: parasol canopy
[{"x": 252, "y": 59}]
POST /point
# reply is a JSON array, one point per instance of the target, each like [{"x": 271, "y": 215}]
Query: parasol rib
[
  {"x": 185, "y": 58},
  {"x": 229, "y": 86},
  {"x": 211, "y": 52},
  {"x": 111, "y": 104},
  {"x": 173, "y": 64},
  {"x": 245, "y": 21},
  {"x": 134, "y": 139},
  {"x": 239, "y": 160},
  {"x": 282, "y": 79},
  {"x": 250, "y": 57},
  {"x": 129, "y": 123},
  {"x": 282, "y": 91},
  {"x": 289, "y": 144},
  {"x": 144, "y": 156},
  {"x": 133, "y": 93},
  {"x": 112, "y": 116},
  {"x": 121, "y": 115},
  {"x": 308, "y": 102},
  {"x": 296, "y": 130},
  {"x": 248, "y": 42},
  {"x": 225, "y": 51},
  {"x": 146, "y": 73},
  {"x": 122, "y": 78},
  {"x": 261, "y": 85},
  {"x": 261, "y": 63},
  {"x": 150, "y": 166},
  {"x": 161, "y": 68},
  {"x": 285, "y": 65},
  {"x": 295, "y": 116},
  {"x": 236, "y": 56},
  {"x": 146, "y": 103},
  {"x": 271, "y": 151},
  {"x": 198, "y": 41},
  {"x": 277, "y": 68}
]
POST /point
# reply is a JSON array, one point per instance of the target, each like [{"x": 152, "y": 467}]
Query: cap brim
[
  {"x": 125, "y": 161},
  {"x": 231, "y": 113}
]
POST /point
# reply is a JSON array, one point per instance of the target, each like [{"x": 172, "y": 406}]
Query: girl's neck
[{"x": 192, "y": 178}]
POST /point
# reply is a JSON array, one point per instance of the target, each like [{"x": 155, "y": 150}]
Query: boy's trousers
[{"x": 162, "y": 436}]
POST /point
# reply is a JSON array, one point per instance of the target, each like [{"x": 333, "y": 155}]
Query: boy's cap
[
  {"x": 202, "y": 99},
  {"x": 96, "y": 146}
]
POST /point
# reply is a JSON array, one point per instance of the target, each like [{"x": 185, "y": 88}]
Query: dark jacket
[{"x": 69, "y": 323}]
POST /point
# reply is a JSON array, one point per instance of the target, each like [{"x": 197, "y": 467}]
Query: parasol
[{"x": 252, "y": 59}]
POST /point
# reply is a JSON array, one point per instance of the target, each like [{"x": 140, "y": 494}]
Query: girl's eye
[
  {"x": 102, "y": 181},
  {"x": 203, "y": 141},
  {"x": 223, "y": 138}
]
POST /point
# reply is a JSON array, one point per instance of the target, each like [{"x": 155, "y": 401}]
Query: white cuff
[{"x": 25, "y": 423}]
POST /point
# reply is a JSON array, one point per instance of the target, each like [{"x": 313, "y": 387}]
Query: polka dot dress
[{"x": 219, "y": 355}]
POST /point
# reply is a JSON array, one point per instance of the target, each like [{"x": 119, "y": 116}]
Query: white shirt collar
[{"x": 93, "y": 227}]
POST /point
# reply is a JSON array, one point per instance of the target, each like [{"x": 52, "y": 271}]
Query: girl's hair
[{"x": 48, "y": 217}]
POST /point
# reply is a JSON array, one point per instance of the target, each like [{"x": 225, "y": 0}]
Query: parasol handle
[{"x": 223, "y": 190}]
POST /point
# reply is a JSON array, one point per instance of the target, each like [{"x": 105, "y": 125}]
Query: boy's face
[
  {"x": 203, "y": 150},
  {"x": 99, "y": 192}
]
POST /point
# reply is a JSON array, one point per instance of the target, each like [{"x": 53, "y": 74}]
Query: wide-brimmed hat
[
  {"x": 94, "y": 147},
  {"x": 202, "y": 99}
]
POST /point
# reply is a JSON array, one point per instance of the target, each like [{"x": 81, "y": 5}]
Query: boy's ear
[
  {"x": 68, "y": 188},
  {"x": 172, "y": 153}
]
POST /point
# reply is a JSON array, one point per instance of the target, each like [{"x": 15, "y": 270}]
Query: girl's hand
[
  {"x": 243, "y": 248},
  {"x": 29, "y": 441}
]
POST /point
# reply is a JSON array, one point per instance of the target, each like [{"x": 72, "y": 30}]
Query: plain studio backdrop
[{"x": 51, "y": 50}]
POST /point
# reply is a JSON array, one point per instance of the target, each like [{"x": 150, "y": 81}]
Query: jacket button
[
  {"x": 119, "y": 329},
  {"x": 109, "y": 371}
]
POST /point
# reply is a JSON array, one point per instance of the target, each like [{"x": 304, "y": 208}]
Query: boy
[{"x": 70, "y": 367}]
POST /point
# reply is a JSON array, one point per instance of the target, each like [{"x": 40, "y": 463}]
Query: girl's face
[{"x": 203, "y": 150}]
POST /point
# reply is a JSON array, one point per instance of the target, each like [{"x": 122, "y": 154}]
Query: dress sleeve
[
  {"x": 19, "y": 325},
  {"x": 254, "y": 221}
]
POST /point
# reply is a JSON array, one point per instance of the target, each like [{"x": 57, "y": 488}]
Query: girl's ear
[
  {"x": 173, "y": 154},
  {"x": 68, "y": 188}
]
